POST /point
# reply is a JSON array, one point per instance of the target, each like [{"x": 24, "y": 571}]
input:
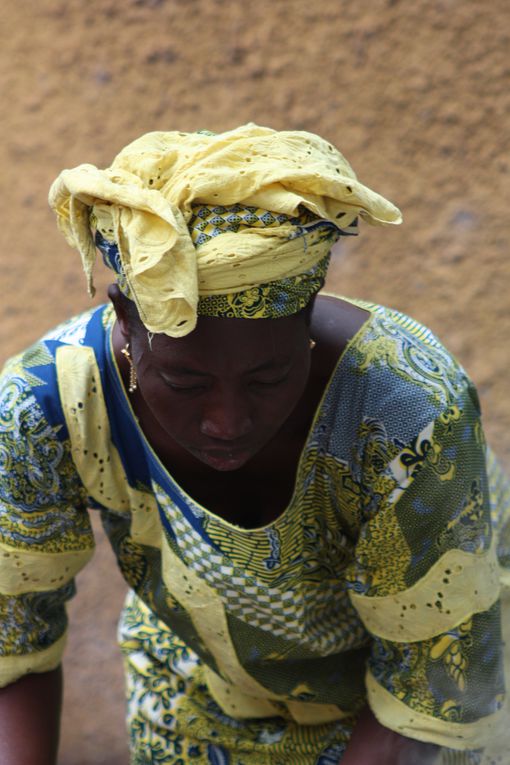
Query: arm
[
  {"x": 372, "y": 744},
  {"x": 425, "y": 584},
  {"x": 45, "y": 538},
  {"x": 31, "y": 704}
]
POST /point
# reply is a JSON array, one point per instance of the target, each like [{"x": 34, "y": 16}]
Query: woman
[{"x": 296, "y": 487}]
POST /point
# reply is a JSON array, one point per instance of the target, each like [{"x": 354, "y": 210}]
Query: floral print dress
[{"x": 380, "y": 581}]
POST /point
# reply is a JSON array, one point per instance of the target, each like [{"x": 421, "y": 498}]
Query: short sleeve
[
  {"x": 45, "y": 532},
  {"x": 425, "y": 582}
]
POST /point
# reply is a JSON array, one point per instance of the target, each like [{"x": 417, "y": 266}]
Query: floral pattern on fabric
[
  {"x": 41, "y": 497},
  {"x": 451, "y": 676},
  {"x": 33, "y": 621},
  {"x": 394, "y": 477},
  {"x": 172, "y": 718}
]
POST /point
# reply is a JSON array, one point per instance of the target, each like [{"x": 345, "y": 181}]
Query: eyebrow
[
  {"x": 185, "y": 371},
  {"x": 260, "y": 368},
  {"x": 269, "y": 365}
]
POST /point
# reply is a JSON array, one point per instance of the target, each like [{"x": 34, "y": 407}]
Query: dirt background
[{"x": 416, "y": 94}]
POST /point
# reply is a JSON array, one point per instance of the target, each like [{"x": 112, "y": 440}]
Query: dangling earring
[
  {"x": 132, "y": 371},
  {"x": 313, "y": 343}
]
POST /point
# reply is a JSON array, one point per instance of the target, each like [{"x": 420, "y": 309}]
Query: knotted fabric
[{"x": 202, "y": 223}]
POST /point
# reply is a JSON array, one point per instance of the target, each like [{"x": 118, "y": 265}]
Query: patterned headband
[{"x": 270, "y": 300}]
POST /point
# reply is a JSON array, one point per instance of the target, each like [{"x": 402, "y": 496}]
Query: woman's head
[
  {"x": 224, "y": 390},
  {"x": 207, "y": 233}
]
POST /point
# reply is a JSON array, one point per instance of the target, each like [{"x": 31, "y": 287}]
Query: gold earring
[
  {"x": 132, "y": 371},
  {"x": 313, "y": 343}
]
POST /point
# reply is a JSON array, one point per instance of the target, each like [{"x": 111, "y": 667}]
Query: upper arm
[
  {"x": 45, "y": 533},
  {"x": 425, "y": 581}
]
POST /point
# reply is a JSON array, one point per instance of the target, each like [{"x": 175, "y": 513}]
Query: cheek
[
  {"x": 278, "y": 406},
  {"x": 174, "y": 415}
]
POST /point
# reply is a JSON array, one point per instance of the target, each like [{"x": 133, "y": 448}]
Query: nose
[{"x": 226, "y": 417}]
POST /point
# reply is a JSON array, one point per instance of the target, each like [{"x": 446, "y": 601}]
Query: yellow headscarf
[{"x": 146, "y": 199}]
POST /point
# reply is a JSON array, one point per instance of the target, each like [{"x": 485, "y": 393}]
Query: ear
[
  {"x": 120, "y": 307},
  {"x": 308, "y": 310}
]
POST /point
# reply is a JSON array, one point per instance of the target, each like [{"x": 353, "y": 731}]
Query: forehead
[{"x": 218, "y": 344}]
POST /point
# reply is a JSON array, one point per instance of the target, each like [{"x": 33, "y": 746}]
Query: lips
[{"x": 223, "y": 459}]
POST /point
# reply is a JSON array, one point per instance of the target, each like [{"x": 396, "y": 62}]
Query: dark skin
[
  {"x": 30, "y": 719},
  {"x": 234, "y": 400},
  {"x": 230, "y": 402}
]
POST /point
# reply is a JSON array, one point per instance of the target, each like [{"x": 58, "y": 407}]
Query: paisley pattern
[
  {"x": 395, "y": 477},
  {"x": 33, "y": 621},
  {"x": 42, "y": 501},
  {"x": 42, "y": 508},
  {"x": 272, "y": 300}
]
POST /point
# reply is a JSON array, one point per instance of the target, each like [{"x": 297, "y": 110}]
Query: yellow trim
[
  {"x": 472, "y": 587},
  {"x": 32, "y": 571},
  {"x": 395, "y": 715},
  {"x": 12, "y": 668},
  {"x": 207, "y": 612},
  {"x": 308, "y": 713},
  {"x": 97, "y": 460},
  {"x": 234, "y": 702},
  {"x": 237, "y": 692},
  {"x": 145, "y": 523}
]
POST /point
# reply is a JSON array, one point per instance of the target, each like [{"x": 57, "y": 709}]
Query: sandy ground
[{"x": 415, "y": 94}]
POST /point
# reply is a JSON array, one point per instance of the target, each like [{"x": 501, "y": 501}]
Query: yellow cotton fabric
[{"x": 144, "y": 201}]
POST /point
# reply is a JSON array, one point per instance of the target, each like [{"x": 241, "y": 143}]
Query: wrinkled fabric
[
  {"x": 145, "y": 202},
  {"x": 272, "y": 300},
  {"x": 377, "y": 583}
]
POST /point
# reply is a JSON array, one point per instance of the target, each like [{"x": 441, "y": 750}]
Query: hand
[
  {"x": 373, "y": 744},
  {"x": 418, "y": 753},
  {"x": 29, "y": 719}
]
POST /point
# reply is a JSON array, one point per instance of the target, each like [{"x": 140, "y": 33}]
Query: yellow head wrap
[{"x": 146, "y": 204}]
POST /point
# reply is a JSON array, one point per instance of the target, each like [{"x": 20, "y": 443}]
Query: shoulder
[
  {"x": 409, "y": 355},
  {"x": 33, "y": 374},
  {"x": 395, "y": 375},
  {"x": 336, "y": 320},
  {"x": 87, "y": 330},
  {"x": 376, "y": 340}
]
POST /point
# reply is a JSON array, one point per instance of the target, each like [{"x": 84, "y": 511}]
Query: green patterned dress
[{"x": 380, "y": 581}]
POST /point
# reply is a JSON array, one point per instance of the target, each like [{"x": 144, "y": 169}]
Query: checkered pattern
[
  {"x": 208, "y": 222},
  {"x": 307, "y": 616}
]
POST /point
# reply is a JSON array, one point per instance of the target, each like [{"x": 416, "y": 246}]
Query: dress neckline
[{"x": 176, "y": 487}]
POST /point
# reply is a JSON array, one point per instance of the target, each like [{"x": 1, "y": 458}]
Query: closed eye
[
  {"x": 182, "y": 387},
  {"x": 185, "y": 388},
  {"x": 268, "y": 383}
]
